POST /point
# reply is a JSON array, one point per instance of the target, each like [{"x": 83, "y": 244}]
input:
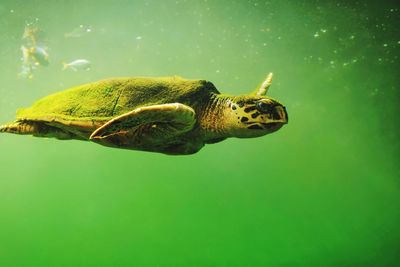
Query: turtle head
[{"x": 256, "y": 114}]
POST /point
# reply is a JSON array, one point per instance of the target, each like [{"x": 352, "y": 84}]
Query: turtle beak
[
  {"x": 283, "y": 114},
  {"x": 279, "y": 114},
  {"x": 279, "y": 117}
]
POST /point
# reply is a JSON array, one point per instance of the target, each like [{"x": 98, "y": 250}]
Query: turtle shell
[{"x": 97, "y": 102}]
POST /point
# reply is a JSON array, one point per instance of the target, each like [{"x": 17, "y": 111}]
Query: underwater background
[{"x": 322, "y": 191}]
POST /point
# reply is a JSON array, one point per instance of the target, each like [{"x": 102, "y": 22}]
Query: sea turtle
[{"x": 170, "y": 115}]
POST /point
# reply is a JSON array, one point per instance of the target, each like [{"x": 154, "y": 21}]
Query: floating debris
[
  {"x": 317, "y": 34},
  {"x": 33, "y": 55},
  {"x": 25, "y": 55},
  {"x": 77, "y": 65},
  {"x": 30, "y": 33},
  {"x": 26, "y": 68},
  {"x": 79, "y": 31},
  {"x": 26, "y": 71}
]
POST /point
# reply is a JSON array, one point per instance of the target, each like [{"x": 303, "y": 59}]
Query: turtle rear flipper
[
  {"x": 35, "y": 128},
  {"x": 151, "y": 128},
  {"x": 19, "y": 127}
]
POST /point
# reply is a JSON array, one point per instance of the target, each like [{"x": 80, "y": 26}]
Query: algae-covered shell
[{"x": 103, "y": 100}]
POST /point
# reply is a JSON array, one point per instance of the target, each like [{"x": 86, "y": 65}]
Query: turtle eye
[{"x": 263, "y": 107}]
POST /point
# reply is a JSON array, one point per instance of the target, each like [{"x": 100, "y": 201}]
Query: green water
[{"x": 322, "y": 191}]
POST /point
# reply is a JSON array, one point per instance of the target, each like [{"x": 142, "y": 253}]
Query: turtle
[{"x": 170, "y": 115}]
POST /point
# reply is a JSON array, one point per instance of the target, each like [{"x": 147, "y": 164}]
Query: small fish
[
  {"x": 39, "y": 55},
  {"x": 78, "y": 32},
  {"x": 78, "y": 64}
]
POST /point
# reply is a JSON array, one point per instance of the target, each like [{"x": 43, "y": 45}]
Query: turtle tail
[{"x": 19, "y": 127}]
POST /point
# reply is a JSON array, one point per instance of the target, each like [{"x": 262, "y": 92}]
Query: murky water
[{"x": 322, "y": 191}]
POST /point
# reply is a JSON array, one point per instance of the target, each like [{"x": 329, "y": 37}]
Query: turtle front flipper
[{"x": 150, "y": 128}]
